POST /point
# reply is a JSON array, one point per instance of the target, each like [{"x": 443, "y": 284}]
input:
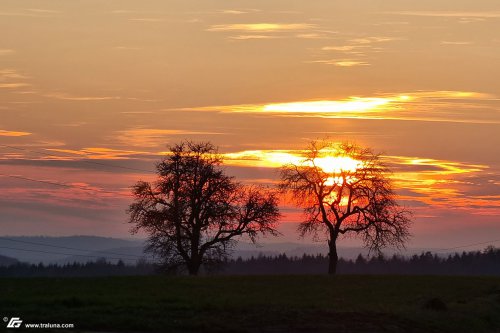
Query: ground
[{"x": 257, "y": 303}]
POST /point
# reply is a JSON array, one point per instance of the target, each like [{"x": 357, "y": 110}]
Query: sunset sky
[{"x": 91, "y": 92}]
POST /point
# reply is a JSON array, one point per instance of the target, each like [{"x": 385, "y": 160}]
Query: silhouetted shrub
[{"x": 435, "y": 304}]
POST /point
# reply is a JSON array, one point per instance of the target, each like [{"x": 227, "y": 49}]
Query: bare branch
[
  {"x": 346, "y": 200},
  {"x": 194, "y": 211}
]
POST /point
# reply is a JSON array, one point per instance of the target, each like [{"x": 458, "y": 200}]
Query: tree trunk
[
  {"x": 193, "y": 265},
  {"x": 333, "y": 257},
  {"x": 193, "y": 268},
  {"x": 195, "y": 260}
]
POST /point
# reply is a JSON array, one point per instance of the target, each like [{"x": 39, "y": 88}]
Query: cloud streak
[
  {"x": 154, "y": 137},
  {"x": 13, "y": 133},
  {"x": 94, "y": 153},
  {"x": 14, "y": 85},
  {"x": 341, "y": 63},
  {"x": 261, "y": 27},
  {"x": 422, "y": 181},
  {"x": 246, "y": 37},
  {"x": 457, "y": 14},
  {"x": 419, "y": 105},
  {"x": 69, "y": 97}
]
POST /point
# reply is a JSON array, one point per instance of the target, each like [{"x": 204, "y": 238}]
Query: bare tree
[
  {"x": 194, "y": 211},
  {"x": 345, "y": 190}
]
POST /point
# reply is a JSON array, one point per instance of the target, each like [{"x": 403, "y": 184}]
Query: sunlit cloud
[
  {"x": 419, "y": 105},
  {"x": 435, "y": 166},
  {"x": 343, "y": 48},
  {"x": 239, "y": 11},
  {"x": 262, "y": 158},
  {"x": 69, "y": 97},
  {"x": 146, "y": 19},
  {"x": 245, "y": 37},
  {"x": 467, "y": 20},
  {"x": 97, "y": 153},
  {"x": 13, "y": 133},
  {"x": 443, "y": 184},
  {"x": 341, "y": 63},
  {"x": 153, "y": 137},
  {"x": 354, "y": 104},
  {"x": 236, "y": 12},
  {"x": 426, "y": 181},
  {"x": 355, "y": 51},
  {"x": 450, "y": 94},
  {"x": 12, "y": 79},
  {"x": 313, "y": 35},
  {"x": 374, "y": 39},
  {"x": 458, "y": 14},
  {"x": 261, "y": 27},
  {"x": 456, "y": 43},
  {"x": 278, "y": 158},
  {"x": 14, "y": 85},
  {"x": 8, "y": 73}
]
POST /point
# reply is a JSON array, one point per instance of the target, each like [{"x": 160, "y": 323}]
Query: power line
[
  {"x": 62, "y": 184},
  {"x": 47, "y": 182},
  {"x": 65, "y": 254},
  {"x": 468, "y": 245},
  {"x": 68, "y": 248},
  {"x": 81, "y": 160},
  {"x": 109, "y": 192}
]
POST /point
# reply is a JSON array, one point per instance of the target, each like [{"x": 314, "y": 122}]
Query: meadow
[{"x": 258, "y": 303}]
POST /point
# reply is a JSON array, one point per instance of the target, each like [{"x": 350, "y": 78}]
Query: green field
[{"x": 258, "y": 303}]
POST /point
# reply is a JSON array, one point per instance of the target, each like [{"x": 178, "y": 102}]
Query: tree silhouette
[
  {"x": 194, "y": 211},
  {"x": 344, "y": 190}
]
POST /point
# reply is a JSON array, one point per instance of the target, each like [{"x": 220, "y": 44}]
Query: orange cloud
[
  {"x": 402, "y": 106},
  {"x": 341, "y": 63},
  {"x": 13, "y": 133},
  {"x": 153, "y": 137},
  {"x": 261, "y": 27},
  {"x": 431, "y": 182},
  {"x": 244, "y": 37},
  {"x": 98, "y": 153},
  {"x": 14, "y": 85},
  {"x": 457, "y": 14},
  {"x": 68, "y": 97}
]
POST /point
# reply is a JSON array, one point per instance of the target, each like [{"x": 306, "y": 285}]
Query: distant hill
[
  {"x": 36, "y": 249},
  {"x": 7, "y": 261},
  {"x": 61, "y": 250},
  {"x": 129, "y": 255}
]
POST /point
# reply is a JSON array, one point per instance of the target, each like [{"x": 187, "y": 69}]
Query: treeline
[
  {"x": 486, "y": 262},
  {"x": 101, "y": 267}
]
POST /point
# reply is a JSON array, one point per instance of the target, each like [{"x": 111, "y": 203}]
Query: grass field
[{"x": 258, "y": 303}]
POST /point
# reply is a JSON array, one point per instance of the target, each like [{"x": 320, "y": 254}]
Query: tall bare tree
[
  {"x": 345, "y": 190},
  {"x": 194, "y": 211}
]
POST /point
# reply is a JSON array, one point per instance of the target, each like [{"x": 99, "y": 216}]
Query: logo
[{"x": 15, "y": 322}]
